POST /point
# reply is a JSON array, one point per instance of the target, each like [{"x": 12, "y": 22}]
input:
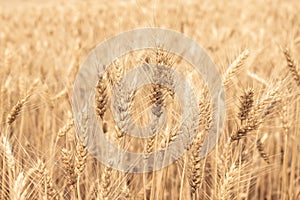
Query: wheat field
[{"x": 256, "y": 48}]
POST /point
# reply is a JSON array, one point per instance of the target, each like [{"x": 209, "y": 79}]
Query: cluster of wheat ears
[{"x": 257, "y": 156}]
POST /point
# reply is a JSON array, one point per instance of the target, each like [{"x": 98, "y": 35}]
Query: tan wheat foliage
[{"x": 43, "y": 44}]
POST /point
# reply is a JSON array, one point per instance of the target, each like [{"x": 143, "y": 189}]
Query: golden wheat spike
[
  {"x": 236, "y": 66},
  {"x": 292, "y": 66}
]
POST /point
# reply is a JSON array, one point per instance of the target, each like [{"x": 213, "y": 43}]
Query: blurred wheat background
[{"x": 256, "y": 46}]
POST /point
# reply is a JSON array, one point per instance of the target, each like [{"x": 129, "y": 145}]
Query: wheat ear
[
  {"x": 67, "y": 160},
  {"x": 17, "y": 108},
  {"x": 263, "y": 154},
  {"x": 227, "y": 183},
  {"x": 246, "y": 104},
  {"x": 21, "y": 186},
  {"x": 292, "y": 66},
  {"x": 10, "y": 160},
  {"x": 66, "y": 128},
  {"x": 80, "y": 163},
  {"x": 105, "y": 187},
  {"x": 46, "y": 181},
  {"x": 235, "y": 67},
  {"x": 257, "y": 115},
  {"x": 195, "y": 174},
  {"x": 101, "y": 97}
]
